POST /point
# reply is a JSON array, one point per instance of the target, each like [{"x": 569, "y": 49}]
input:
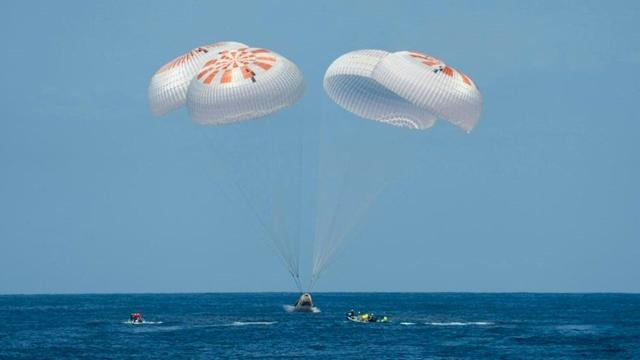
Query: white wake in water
[
  {"x": 292, "y": 309},
  {"x": 458, "y": 323},
  {"x": 142, "y": 323},
  {"x": 407, "y": 323},
  {"x": 245, "y": 323}
]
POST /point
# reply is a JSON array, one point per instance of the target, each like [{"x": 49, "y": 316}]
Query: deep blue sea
[{"x": 255, "y": 325}]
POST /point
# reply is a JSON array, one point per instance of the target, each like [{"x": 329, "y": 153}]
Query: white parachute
[
  {"x": 168, "y": 87},
  {"x": 229, "y": 82},
  {"x": 243, "y": 84},
  {"x": 406, "y": 89},
  {"x": 349, "y": 82}
]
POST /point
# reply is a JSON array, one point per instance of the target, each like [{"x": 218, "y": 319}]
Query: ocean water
[{"x": 424, "y": 325}]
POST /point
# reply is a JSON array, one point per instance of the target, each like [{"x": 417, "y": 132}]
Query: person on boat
[
  {"x": 366, "y": 317},
  {"x": 135, "y": 317}
]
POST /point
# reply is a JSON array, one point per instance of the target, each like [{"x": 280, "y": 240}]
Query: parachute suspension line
[
  {"x": 271, "y": 197},
  {"x": 299, "y": 209},
  {"x": 356, "y": 199},
  {"x": 329, "y": 236},
  {"x": 321, "y": 201},
  {"x": 244, "y": 193},
  {"x": 329, "y": 201},
  {"x": 359, "y": 214},
  {"x": 362, "y": 208},
  {"x": 330, "y": 207},
  {"x": 298, "y": 197},
  {"x": 278, "y": 215},
  {"x": 283, "y": 218},
  {"x": 318, "y": 200}
]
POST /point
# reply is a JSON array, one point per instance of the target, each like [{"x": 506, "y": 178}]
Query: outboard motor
[{"x": 304, "y": 303}]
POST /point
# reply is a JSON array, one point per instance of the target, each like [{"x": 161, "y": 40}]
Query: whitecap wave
[
  {"x": 245, "y": 323},
  {"x": 459, "y": 323},
  {"x": 407, "y": 323},
  {"x": 142, "y": 323},
  {"x": 291, "y": 309}
]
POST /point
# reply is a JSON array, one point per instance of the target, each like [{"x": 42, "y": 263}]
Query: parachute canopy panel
[
  {"x": 243, "y": 84},
  {"x": 168, "y": 87},
  {"x": 349, "y": 83},
  {"x": 226, "y": 82},
  {"x": 404, "y": 88}
]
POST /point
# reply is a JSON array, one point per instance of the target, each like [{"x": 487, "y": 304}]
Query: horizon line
[{"x": 331, "y": 292}]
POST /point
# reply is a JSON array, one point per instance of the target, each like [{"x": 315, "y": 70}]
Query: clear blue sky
[{"x": 96, "y": 195}]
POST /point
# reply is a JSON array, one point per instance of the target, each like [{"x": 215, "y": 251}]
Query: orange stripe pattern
[
  {"x": 182, "y": 59},
  {"x": 245, "y": 62},
  {"x": 437, "y": 66},
  {"x": 425, "y": 59}
]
